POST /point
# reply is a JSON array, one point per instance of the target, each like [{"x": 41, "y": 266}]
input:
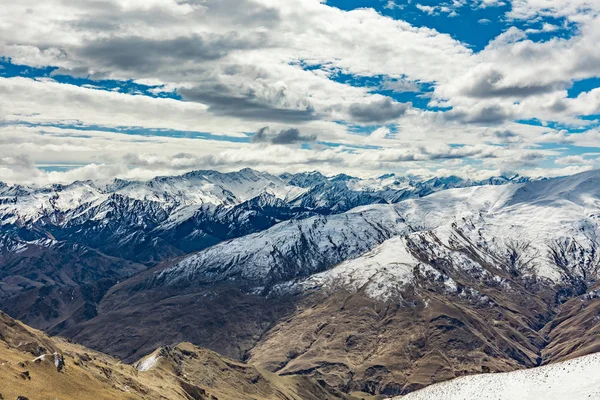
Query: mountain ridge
[
  {"x": 418, "y": 286},
  {"x": 37, "y": 366},
  {"x": 426, "y": 277}
]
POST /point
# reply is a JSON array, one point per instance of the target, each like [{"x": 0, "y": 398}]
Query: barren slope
[{"x": 35, "y": 366}]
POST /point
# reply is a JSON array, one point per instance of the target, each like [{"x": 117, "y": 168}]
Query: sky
[{"x": 99, "y": 89}]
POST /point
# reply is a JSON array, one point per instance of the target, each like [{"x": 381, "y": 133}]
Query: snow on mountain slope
[
  {"x": 342, "y": 192},
  {"x": 577, "y": 379},
  {"x": 200, "y": 187},
  {"x": 549, "y": 229},
  {"x": 288, "y": 250},
  {"x": 382, "y": 271},
  {"x": 328, "y": 195},
  {"x": 496, "y": 223},
  {"x": 19, "y": 204}
]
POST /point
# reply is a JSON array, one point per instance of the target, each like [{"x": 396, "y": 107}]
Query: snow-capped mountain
[
  {"x": 548, "y": 229},
  {"x": 516, "y": 228},
  {"x": 382, "y": 286},
  {"x": 22, "y": 204},
  {"x": 152, "y": 220},
  {"x": 288, "y": 250},
  {"x": 389, "y": 298},
  {"x": 577, "y": 379}
]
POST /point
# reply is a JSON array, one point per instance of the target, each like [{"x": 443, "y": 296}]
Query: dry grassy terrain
[{"x": 35, "y": 366}]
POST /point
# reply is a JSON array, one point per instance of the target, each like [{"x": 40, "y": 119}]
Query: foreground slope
[
  {"x": 577, "y": 379},
  {"x": 35, "y": 366}
]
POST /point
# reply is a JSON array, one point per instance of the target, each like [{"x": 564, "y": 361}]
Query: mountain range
[{"x": 375, "y": 287}]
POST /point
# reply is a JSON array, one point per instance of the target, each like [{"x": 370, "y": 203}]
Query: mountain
[
  {"x": 53, "y": 284},
  {"x": 288, "y": 250},
  {"x": 149, "y": 221},
  {"x": 378, "y": 286},
  {"x": 384, "y": 298},
  {"x": 37, "y": 366},
  {"x": 123, "y": 227},
  {"x": 576, "y": 379},
  {"x": 490, "y": 279}
]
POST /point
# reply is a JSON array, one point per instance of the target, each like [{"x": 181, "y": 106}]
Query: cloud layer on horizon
[{"x": 139, "y": 88}]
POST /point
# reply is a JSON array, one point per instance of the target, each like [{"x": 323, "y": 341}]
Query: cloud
[
  {"x": 503, "y": 136},
  {"x": 546, "y": 27},
  {"x": 486, "y": 81},
  {"x": 240, "y": 65},
  {"x": 491, "y": 3},
  {"x": 143, "y": 55},
  {"x": 426, "y": 9},
  {"x": 573, "y": 160},
  {"x": 285, "y": 136},
  {"x": 481, "y": 113},
  {"x": 19, "y": 161},
  {"x": 529, "y": 9},
  {"x": 401, "y": 85},
  {"x": 264, "y": 103},
  {"x": 377, "y": 111},
  {"x": 380, "y": 133}
]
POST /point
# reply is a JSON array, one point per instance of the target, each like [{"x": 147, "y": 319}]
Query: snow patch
[
  {"x": 577, "y": 379},
  {"x": 148, "y": 363}
]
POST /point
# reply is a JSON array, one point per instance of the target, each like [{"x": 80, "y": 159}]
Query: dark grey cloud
[
  {"x": 489, "y": 85},
  {"x": 505, "y": 137},
  {"x": 143, "y": 55},
  {"x": 103, "y": 16},
  {"x": 488, "y": 115},
  {"x": 379, "y": 111},
  {"x": 285, "y": 136},
  {"x": 531, "y": 156},
  {"x": 423, "y": 153},
  {"x": 505, "y": 134},
  {"x": 243, "y": 12},
  {"x": 529, "y": 159},
  {"x": 148, "y": 56},
  {"x": 247, "y": 104}
]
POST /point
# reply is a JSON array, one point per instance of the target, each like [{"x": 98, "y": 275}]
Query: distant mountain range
[
  {"x": 186, "y": 213},
  {"x": 373, "y": 286}
]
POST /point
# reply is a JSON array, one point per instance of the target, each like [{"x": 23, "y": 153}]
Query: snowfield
[{"x": 577, "y": 379}]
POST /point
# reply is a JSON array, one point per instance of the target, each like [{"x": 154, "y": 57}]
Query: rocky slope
[
  {"x": 52, "y": 284},
  {"x": 36, "y": 366}
]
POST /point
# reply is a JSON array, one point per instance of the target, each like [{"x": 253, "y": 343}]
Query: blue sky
[{"x": 142, "y": 88}]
